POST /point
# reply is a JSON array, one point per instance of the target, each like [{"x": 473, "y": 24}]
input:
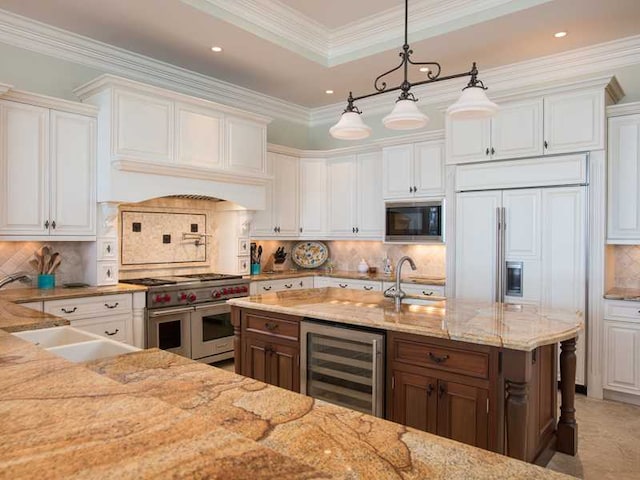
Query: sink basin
[
  {"x": 56, "y": 336},
  {"x": 93, "y": 350}
]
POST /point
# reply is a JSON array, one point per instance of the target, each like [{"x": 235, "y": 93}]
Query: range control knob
[
  {"x": 191, "y": 297},
  {"x": 158, "y": 299},
  {"x": 225, "y": 291},
  {"x": 245, "y": 289},
  {"x": 237, "y": 290},
  {"x": 166, "y": 298},
  {"x": 183, "y": 296},
  {"x": 215, "y": 293}
]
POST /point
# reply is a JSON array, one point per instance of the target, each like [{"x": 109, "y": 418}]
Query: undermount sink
[{"x": 75, "y": 345}]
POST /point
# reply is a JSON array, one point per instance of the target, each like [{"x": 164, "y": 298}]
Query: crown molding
[
  {"x": 375, "y": 145},
  {"x": 31, "y": 35},
  {"x": 623, "y": 109},
  {"x": 4, "y": 88},
  {"x": 45, "y": 101},
  {"x": 285, "y": 26},
  {"x": 553, "y": 72}
]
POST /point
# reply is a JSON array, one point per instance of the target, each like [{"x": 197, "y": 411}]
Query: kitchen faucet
[
  {"x": 395, "y": 291},
  {"x": 23, "y": 277}
]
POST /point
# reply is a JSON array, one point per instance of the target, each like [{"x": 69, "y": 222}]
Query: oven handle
[
  {"x": 171, "y": 311},
  {"x": 221, "y": 307}
]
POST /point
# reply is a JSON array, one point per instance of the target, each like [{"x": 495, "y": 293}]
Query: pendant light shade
[
  {"x": 473, "y": 103},
  {"x": 405, "y": 116},
  {"x": 350, "y": 127}
]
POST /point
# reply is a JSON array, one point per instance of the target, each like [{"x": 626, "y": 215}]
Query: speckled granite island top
[{"x": 518, "y": 327}]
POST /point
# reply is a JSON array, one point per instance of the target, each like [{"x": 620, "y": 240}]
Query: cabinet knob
[
  {"x": 486, "y": 152},
  {"x": 415, "y": 189},
  {"x": 430, "y": 389},
  {"x": 410, "y": 189},
  {"x": 300, "y": 229},
  {"x": 353, "y": 229},
  {"x": 441, "y": 390},
  {"x": 53, "y": 224},
  {"x": 493, "y": 151},
  {"x": 108, "y": 248},
  {"x": 546, "y": 144},
  {"x": 357, "y": 230},
  {"x": 275, "y": 229},
  {"x": 46, "y": 224}
]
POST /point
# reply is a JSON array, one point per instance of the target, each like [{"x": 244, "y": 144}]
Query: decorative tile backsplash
[
  {"x": 345, "y": 255},
  {"x": 159, "y": 237},
  {"x": 626, "y": 266}
]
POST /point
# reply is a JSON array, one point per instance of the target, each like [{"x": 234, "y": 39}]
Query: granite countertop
[
  {"x": 419, "y": 280},
  {"x": 517, "y": 327},
  {"x": 630, "y": 294}
]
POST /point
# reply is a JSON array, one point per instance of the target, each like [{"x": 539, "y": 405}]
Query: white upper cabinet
[
  {"x": 24, "y": 169},
  {"x": 413, "y": 170},
  {"x": 624, "y": 179},
  {"x": 516, "y": 130},
  {"x": 144, "y": 126},
  {"x": 199, "y": 136},
  {"x": 246, "y": 145},
  {"x": 280, "y": 217},
  {"x": 574, "y": 122},
  {"x": 341, "y": 187},
  {"x": 73, "y": 179},
  {"x": 47, "y": 173},
  {"x": 313, "y": 197},
  {"x": 468, "y": 140},
  {"x": 370, "y": 206}
]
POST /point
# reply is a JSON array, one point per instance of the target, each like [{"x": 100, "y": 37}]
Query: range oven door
[
  {"x": 170, "y": 329},
  {"x": 211, "y": 333}
]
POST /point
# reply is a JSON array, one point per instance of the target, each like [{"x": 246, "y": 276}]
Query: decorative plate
[{"x": 309, "y": 254}]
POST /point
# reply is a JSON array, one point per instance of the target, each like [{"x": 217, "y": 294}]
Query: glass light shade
[
  {"x": 405, "y": 116},
  {"x": 473, "y": 103},
  {"x": 350, "y": 127}
]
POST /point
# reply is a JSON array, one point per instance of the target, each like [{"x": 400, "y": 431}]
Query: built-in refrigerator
[{"x": 524, "y": 246}]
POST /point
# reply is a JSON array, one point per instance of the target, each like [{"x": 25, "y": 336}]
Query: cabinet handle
[
  {"x": 357, "y": 230},
  {"x": 111, "y": 306},
  {"x": 46, "y": 224},
  {"x": 429, "y": 390},
  {"x": 109, "y": 273},
  {"x": 486, "y": 152},
  {"x": 111, "y": 334},
  {"x": 415, "y": 189},
  {"x": 69, "y": 311},
  {"x": 410, "y": 189},
  {"x": 108, "y": 248},
  {"x": 428, "y": 294},
  {"x": 493, "y": 151},
  {"x": 343, "y": 285},
  {"x": 437, "y": 359},
  {"x": 301, "y": 283},
  {"x": 441, "y": 390},
  {"x": 300, "y": 229},
  {"x": 546, "y": 144},
  {"x": 367, "y": 288},
  {"x": 353, "y": 229},
  {"x": 53, "y": 224},
  {"x": 267, "y": 288},
  {"x": 288, "y": 286},
  {"x": 270, "y": 326}
]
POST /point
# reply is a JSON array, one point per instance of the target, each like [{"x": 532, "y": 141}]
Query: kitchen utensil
[
  {"x": 52, "y": 261},
  {"x": 259, "y": 253},
  {"x": 309, "y": 254},
  {"x": 54, "y": 266}
]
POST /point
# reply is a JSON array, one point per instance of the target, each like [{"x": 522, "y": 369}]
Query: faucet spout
[{"x": 397, "y": 294}]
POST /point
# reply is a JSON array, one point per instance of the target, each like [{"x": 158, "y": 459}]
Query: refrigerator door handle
[
  {"x": 503, "y": 262},
  {"x": 498, "y": 253}
]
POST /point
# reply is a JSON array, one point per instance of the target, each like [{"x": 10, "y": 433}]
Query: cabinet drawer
[
  {"x": 276, "y": 327},
  {"x": 622, "y": 310},
  {"x": 346, "y": 283},
  {"x": 114, "y": 328},
  {"x": 88, "y": 307},
  {"x": 418, "y": 290},
  {"x": 466, "y": 362},
  {"x": 284, "y": 284}
]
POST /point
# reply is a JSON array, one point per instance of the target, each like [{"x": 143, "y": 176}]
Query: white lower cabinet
[
  {"x": 349, "y": 284},
  {"x": 280, "y": 285},
  {"x": 622, "y": 347},
  {"x": 108, "y": 315},
  {"x": 417, "y": 290}
]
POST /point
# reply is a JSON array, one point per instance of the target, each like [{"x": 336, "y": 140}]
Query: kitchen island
[{"x": 493, "y": 365}]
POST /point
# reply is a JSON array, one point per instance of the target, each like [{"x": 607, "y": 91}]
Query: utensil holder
[
  {"x": 46, "y": 281},
  {"x": 255, "y": 269}
]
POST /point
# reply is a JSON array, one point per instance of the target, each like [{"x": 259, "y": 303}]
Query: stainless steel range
[{"x": 188, "y": 314}]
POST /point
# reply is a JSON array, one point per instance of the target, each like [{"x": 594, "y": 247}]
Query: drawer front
[
  {"x": 276, "y": 327},
  {"x": 283, "y": 285},
  {"x": 417, "y": 290},
  {"x": 346, "y": 283},
  {"x": 88, "y": 307},
  {"x": 114, "y": 328},
  {"x": 618, "y": 309},
  {"x": 475, "y": 364}
]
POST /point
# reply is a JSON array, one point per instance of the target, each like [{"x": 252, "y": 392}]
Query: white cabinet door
[
  {"x": 397, "y": 171},
  {"x": 73, "y": 179},
  {"x": 622, "y": 356},
  {"x": 24, "y": 169},
  {"x": 574, "y": 122},
  {"x": 428, "y": 176},
  {"x": 313, "y": 197},
  {"x": 468, "y": 140},
  {"x": 624, "y": 179},
  {"x": 199, "y": 134},
  {"x": 263, "y": 223},
  {"x": 144, "y": 126},
  {"x": 341, "y": 188},
  {"x": 516, "y": 130},
  {"x": 370, "y": 205},
  {"x": 246, "y": 146},
  {"x": 476, "y": 243},
  {"x": 285, "y": 195}
]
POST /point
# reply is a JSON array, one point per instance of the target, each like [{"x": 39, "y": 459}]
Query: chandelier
[{"x": 473, "y": 102}]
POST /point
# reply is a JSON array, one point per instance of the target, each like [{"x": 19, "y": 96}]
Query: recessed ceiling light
[
  {"x": 328, "y": 92},
  {"x": 216, "y": 49},
  {"x": 560, "y": 34},
  {"x": 424, "y": 69}
]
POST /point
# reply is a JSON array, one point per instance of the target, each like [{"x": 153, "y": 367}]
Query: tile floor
[{"x": 608, "y": 440}]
